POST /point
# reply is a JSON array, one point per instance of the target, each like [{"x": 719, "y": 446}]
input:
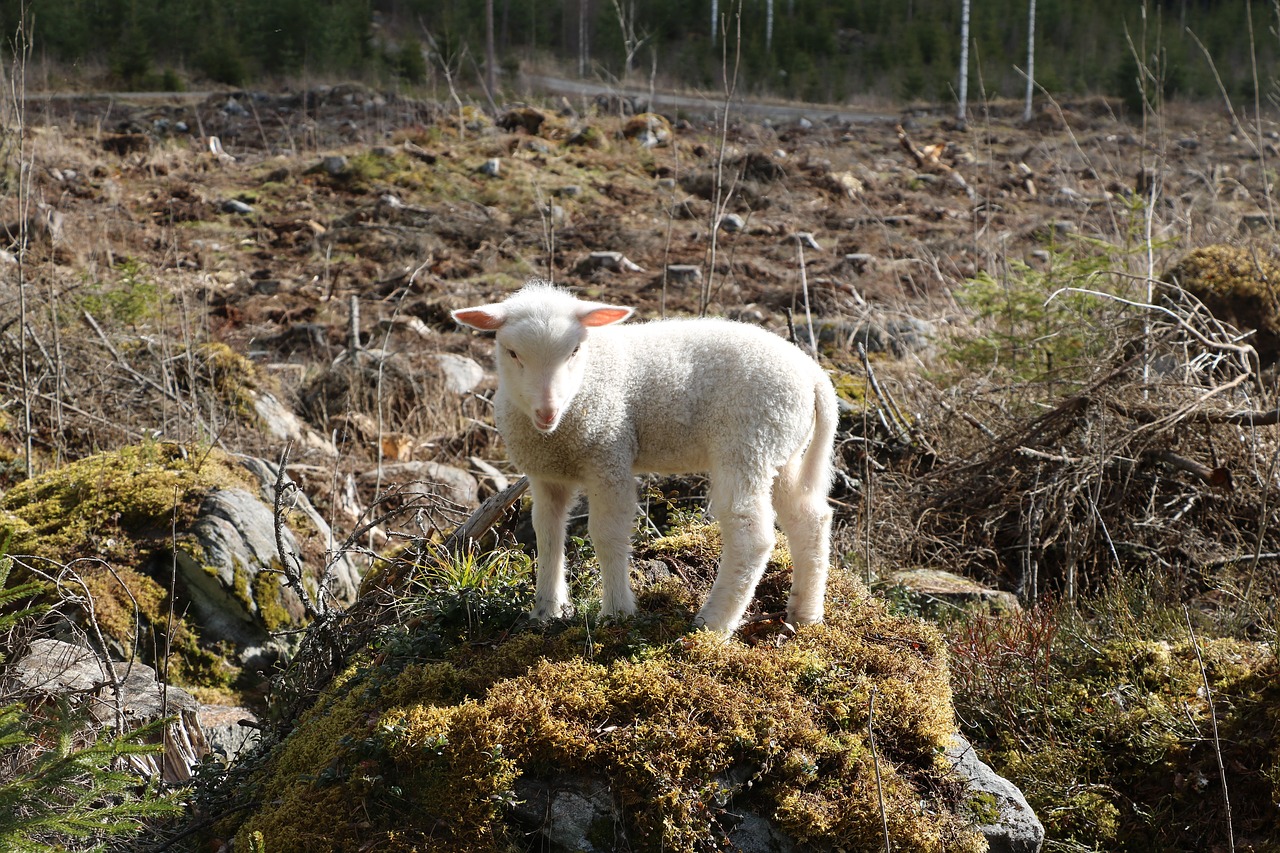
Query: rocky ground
[{"x": 270, "y": 274}]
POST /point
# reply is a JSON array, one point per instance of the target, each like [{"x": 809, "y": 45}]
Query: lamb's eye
[
  {"x": 575, "y": 350},
  {"x": 513, "y": 355}
]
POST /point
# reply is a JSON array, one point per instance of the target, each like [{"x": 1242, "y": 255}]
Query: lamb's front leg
[
  {"x": 612, "y": 505},
  {"x": 550, "y": 515}
]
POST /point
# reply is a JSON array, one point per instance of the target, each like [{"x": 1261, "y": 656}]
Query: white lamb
[{"x": 584, "y": 405}]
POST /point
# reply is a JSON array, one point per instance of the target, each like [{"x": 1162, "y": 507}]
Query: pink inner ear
[
  {"x": 605, "y": 316},
  {"x": 479, "y": 318}
]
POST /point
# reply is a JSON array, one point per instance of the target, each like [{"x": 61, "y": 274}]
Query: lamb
[{"x": 585, "y": 404}]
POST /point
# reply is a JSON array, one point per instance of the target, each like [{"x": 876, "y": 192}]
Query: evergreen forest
[{"x": 814, "y": 50}]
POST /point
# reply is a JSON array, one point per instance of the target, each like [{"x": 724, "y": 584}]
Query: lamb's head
[{"x": 543, "y": 343}]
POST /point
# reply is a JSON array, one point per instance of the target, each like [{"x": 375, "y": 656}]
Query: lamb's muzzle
[{"x": 584, "y": 404}]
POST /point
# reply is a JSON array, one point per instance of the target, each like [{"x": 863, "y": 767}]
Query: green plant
[
  {"x": 1023, "y": 333},
  {"x": 63, "y": 795},
  {"x": 133, "y": 297}
]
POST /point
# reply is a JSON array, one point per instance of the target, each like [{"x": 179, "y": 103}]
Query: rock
[
  {"x": 335, "y": 165},
  {"x": 526, "y": 119},
  {"x": 234, "y": 205},
  {"x": 491, "y": 479},
  {"x": 1017, "y": 829},
  {"x": 934, "y": 588},
  {"x": 280, "y": 422},
  {"x": 434, "y": 480},
  {"x": 461, "y": 374},
  {"x": 491, "y": 167},
  {"x": 806, "y": 239},
  {"x": 224, "y": 734},
  {"x": 732, "y": 222},
  {"x": 684, "y": 273},
  {"x": 846, "y": 183},
  {"x": 233, "y": 599},
  {"x": 649, "y": 129},
  {"x": 614, "y": 261},
  {"x": 568, "y": 191},
  {"x": 859, "y": 261},
  {"x": 55, "y": 668},
  {"x": 342, "y": 578},
  {"x": 896, "y": 335}
]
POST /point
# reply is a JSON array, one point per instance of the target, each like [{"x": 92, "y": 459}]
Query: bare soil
[{"x": 258, "y": 220}]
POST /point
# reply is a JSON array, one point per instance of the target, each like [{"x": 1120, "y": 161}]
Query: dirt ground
[{"x": 258, "y": 220}]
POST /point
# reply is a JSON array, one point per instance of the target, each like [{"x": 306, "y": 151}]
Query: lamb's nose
[{"x": 544, "y": 418}]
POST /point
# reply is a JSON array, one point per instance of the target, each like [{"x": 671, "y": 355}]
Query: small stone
[
  {"x": 568, "y": 191},
  {"x": 615, "y": 261},
  {"x": 806, "y": 239},
  {"x": 335, "y": 165},
  {"x": 461, "y": 374},
  {"x": 491, "y": 167},
  {"x": 859, "y": 261},
  {"x": 684, "y": 273},
  {"x": 235, "y": 205},
  {"x": 732, "y": 222}
]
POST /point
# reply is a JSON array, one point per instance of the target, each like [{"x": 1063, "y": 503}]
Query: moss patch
[
  {"x": 1110, "y": 737},
  {"x": 106, "y": 516},
  {"x": 423, "y": 744},
  {"x": 1238, "y": 285}
]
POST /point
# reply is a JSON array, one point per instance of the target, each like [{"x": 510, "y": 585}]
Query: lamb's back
[{"x": 694, "y": 387}]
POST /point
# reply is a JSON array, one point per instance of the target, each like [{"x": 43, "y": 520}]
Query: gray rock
[
  {"x": 895, "y": 335},
  {"x": 235, "y": 205},
  {"x": 491, "y": 167},
  {"x": 434, "y": 480},
  {"x": 615, "y": 261},
  {"x": 461, "y": 374},
  {"x": 684, "y": 273},
  {"x": 1017, "y": 830},
  {"x": 335, "y": 165},
  {"x": 55, "y": 668},
  {"x": 936, "y": 590},
  {"x": 226, "y": 737},
  {"x": 732, "y": 222},
  {"x": 235, "y": 538}
]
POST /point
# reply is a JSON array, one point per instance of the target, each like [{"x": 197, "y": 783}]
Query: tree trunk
[
  {"x": 964, "y": 63},
  {"x": 1031, "y": 60},
  {"x": 490, "y": 52}
]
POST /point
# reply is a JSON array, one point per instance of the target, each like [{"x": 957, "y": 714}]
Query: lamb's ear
[
  {"x": 605, "y": 315},
  {"x": 487, "y": 318}
]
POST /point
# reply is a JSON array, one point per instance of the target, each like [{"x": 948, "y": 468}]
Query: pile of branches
[{"x": 1163, "y": 463}]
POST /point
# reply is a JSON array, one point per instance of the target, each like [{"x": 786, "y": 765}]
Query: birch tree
[
  {"x": 963, "y": 109},
  {"x": 1031, "y": 59}
]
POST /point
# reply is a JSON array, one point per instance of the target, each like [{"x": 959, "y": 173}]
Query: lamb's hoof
[
  {"x": 804, "y": 617},
  {"x": 545, "y": 612}
]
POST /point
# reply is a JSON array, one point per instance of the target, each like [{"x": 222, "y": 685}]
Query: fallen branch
[
  {"x": 486, "y": 515},
  {"x": 1218, "y": 478}
]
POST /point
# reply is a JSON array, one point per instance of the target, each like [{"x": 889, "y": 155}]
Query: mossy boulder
[
  {"x": 1238, "y": 285},
  {"x": 164, "y": 547},
  {"x": 1113, "y": 734},
  {"x": 443, "y": 733}
]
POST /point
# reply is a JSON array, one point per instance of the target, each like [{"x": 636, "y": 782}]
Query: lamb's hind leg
[
  {"x": 805, "y": 516},
  {"x": 746, "y": 531},
  {"x": 550, "y": 515}
]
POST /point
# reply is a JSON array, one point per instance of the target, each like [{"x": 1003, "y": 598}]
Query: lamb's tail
[{"x": 817, "y": 471}]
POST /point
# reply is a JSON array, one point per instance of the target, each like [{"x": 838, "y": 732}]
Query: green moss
[
  {"x": 106, "y": 516},
  {"x": 1112, "y": 742},
  {"x": 423, "y": 745},
  {"x": 269, "y": 602}
]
